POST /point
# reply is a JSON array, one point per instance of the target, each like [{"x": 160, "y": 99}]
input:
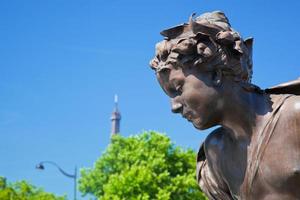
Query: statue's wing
[{"x": 291, "y": 87}]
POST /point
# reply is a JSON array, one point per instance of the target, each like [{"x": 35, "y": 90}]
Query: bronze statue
[{"x": 205, "y": 67}]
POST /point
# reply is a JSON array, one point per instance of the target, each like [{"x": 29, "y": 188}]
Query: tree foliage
[
  {"x": 142, "y": 167},
  {"x": 22, "y": 190}
]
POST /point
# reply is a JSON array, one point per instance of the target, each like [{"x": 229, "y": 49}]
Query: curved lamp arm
[
  {"x": 41, "y": 166},
  {"x": 74, "y": 176}
]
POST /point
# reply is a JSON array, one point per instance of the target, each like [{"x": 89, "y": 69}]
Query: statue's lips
[
  {"x": 188, "y": 116},
  {"x": 194, "y": 120}
]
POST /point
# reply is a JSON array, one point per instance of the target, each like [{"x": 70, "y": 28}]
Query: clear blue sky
[{"x": 62, "y": 61}]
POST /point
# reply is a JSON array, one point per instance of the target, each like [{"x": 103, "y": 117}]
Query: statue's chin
[{"x": 198, "y": 124}]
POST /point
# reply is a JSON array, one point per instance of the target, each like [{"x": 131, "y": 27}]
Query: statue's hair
[{"x": 207, "y": 39}]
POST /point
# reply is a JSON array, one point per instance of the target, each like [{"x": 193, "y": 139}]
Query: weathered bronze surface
[{"x": 205, "y": 67}]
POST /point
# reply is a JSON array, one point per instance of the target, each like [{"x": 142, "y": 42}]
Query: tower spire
[
  {"x": 115, "y": 118},
  {"x": 116, "y": 102}
]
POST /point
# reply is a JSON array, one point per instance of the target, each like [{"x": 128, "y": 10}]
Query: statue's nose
[{"x": 176, "y": 106}]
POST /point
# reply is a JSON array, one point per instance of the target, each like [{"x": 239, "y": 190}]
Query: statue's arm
[{"x": 208, "y": 179}]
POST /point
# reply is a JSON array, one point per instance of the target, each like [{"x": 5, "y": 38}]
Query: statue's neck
[{"x": 244, "y": 113}]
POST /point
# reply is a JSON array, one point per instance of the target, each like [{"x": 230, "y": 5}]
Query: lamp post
[{"x": 73, "y": 176}]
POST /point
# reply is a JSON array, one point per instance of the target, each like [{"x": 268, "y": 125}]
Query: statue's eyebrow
[{"x": 163, "y": 68}]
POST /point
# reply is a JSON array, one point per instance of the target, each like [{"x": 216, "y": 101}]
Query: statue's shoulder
[
  {"x": 212, "y": 143},
  {"x": 208, "y": 177},
  {"x": 212, "y": 148},
  {"x": 291, "y": 108}
]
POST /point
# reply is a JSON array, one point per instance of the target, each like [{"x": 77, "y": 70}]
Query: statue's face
[{"x": 193, "y": 95}]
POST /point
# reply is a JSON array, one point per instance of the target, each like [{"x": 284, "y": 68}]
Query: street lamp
[{"x": 41, "y": 166}]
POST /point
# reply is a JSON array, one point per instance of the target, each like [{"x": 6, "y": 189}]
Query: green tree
[
  {"x": 146, "y": 166},
  {"x": 22, "y": 190}
]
